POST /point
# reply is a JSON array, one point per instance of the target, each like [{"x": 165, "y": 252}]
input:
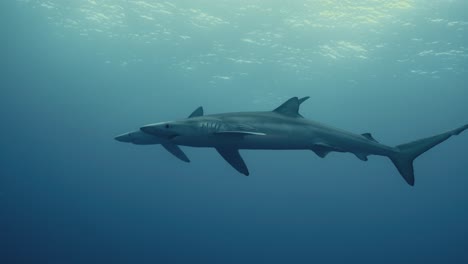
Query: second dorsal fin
[
  {"x": 369, "y": 137},
  {"x": 291, "y": 107}
]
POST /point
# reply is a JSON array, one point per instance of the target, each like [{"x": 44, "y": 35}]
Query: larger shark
[{"x": 281, "y": 129}]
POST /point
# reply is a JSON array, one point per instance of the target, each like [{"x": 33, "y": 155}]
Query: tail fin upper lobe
[{"x": 407, "y": 153}]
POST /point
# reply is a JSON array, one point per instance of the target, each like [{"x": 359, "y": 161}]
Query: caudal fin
[{"x": 407, "y": 153}]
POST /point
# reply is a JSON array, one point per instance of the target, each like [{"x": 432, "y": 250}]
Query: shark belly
[
  {"x": 353, "y": 143},
  {"x": 272, "y": 142}
]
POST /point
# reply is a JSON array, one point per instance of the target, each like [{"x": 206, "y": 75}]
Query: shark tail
[{"x": 406, "y": 153}]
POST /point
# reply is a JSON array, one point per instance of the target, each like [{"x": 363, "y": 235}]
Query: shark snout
[
  {"x": 138, "y": 138},
  {"x": 124, "y": 137}
]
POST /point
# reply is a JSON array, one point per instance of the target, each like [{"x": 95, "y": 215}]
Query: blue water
[{"x": 76, "y": 73}]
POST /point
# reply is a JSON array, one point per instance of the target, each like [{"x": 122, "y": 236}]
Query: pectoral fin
[
  {"x": 321, "y": 151},
  {"x": 233, "y": 157},
  {"x": 239, "y": 133},
  {"x": 176, "y": 151}
]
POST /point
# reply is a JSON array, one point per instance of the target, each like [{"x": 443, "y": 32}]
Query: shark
[{"x": 283, "y": 128}]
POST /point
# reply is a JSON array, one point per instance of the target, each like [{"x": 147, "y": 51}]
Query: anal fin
[
  {"x": 322, "y": 150},
  {"x": 360, "y": 156}
]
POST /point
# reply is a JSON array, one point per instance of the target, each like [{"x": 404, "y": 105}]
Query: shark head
[
  {"x": 188, "y": 127},
  {"x": 170, "y": 129},
  {"x": 166, "y": 130}
]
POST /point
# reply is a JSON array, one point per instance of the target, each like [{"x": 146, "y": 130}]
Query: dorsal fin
[
  {"x": 303, "y": 99},
  {"x": 369, "y": 136},
  {"x": 197, "y": 112},
  {"x": 291, "y": 107}
]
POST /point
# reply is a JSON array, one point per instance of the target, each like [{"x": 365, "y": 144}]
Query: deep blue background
[{"x": 69, "y": 193}]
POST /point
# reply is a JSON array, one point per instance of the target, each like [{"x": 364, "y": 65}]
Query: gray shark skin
[{"x": 281, "y": 129}]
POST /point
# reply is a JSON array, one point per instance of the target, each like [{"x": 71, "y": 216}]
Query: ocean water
[{"x": 76, "y": 73}]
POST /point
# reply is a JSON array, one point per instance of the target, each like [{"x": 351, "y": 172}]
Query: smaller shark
[{"x": 281, "y": 129}]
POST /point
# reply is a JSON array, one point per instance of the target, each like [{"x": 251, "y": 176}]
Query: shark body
[{"x": 281, "y": 129}]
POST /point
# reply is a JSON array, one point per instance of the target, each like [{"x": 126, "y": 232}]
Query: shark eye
[{"x": 167, "y": 125}]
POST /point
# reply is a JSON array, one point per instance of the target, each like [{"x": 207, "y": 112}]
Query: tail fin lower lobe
[{"x": 407, "y": 153}]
